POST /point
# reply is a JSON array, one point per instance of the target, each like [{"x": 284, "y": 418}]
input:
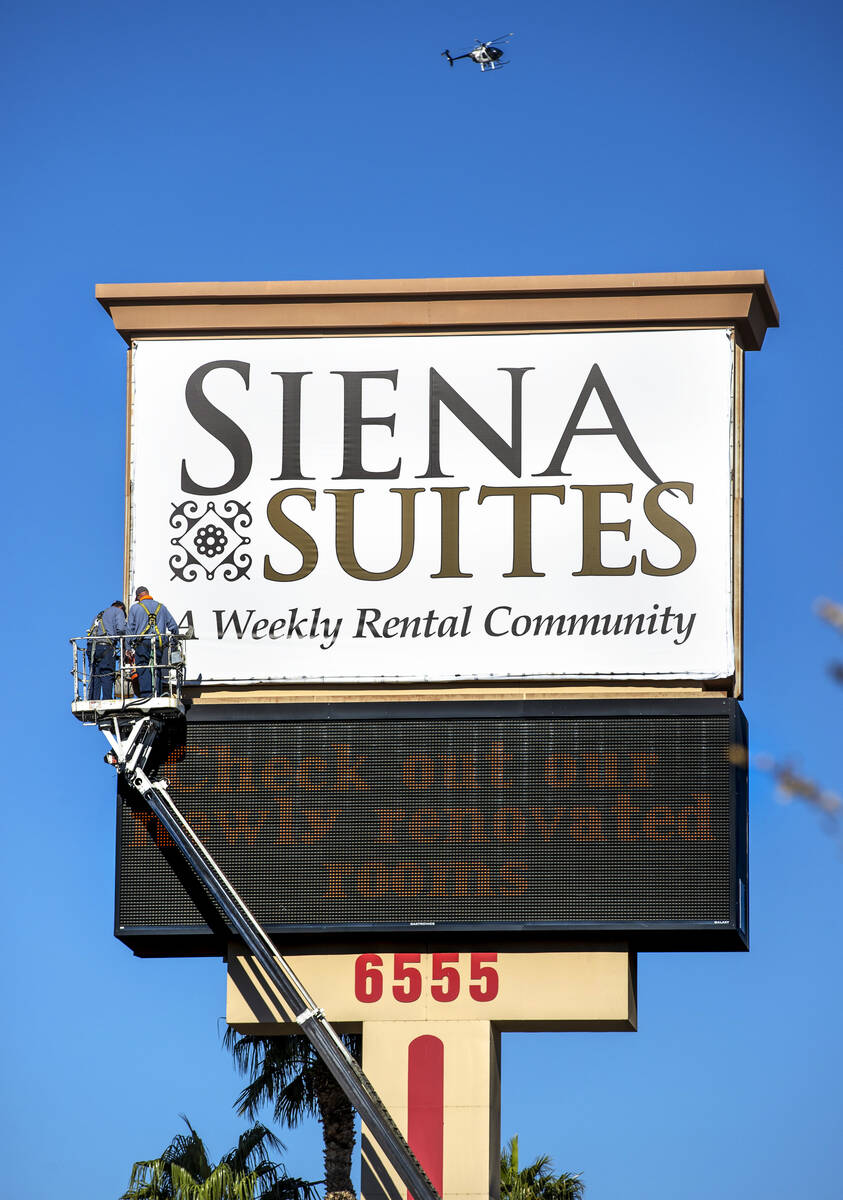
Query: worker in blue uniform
[
  {"x": 150, "y": 626},
  {"x": 103, "y": 649}
]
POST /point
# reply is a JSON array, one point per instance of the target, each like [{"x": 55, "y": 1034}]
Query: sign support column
[
  {"x": 440, "y": 1081},
  {"x": 431, "y": 1024}
]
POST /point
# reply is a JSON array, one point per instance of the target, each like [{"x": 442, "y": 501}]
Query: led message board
[
  {"x": 527, "y": 819},
  {"x": 554, "y": 505}
]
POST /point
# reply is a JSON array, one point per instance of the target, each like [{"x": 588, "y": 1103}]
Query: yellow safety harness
[
  {"x": 151, "y": 623},
  {"x": 94, "y": 636}
]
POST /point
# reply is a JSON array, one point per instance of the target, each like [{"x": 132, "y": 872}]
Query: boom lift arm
[{"x": 130, "y": 750}]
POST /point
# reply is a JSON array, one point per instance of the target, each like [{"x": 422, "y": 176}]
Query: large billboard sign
[
  {"x": 626, "y": 820},
  {"x": 474, "y": 506}
]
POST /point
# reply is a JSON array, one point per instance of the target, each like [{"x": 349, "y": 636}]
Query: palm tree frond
[
  {"x": 286, "y": 1073},
  {"x": 536, "y": 1181},
  {"x": 184, "y": 1171}
]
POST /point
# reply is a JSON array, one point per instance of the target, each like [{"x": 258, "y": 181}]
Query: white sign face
[{"x": 531, "y": 506}]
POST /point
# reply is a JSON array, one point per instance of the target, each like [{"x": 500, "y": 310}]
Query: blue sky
[{"x": 211, "y": 142}]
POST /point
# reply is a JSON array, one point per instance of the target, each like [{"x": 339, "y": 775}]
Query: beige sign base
[
  {"x": 563, "y": 990},
  {"x": 431, "y": 1023}
]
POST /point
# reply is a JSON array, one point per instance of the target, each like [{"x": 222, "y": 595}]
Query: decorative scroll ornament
[{"x": 210, "y": 541}]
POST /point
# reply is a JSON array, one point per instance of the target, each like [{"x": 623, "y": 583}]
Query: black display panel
[{"x": 580, "y": 819}]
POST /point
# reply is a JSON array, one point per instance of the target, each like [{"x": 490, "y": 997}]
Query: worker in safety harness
[
  {"x": 150, "y": 625},
  {"x": 103, "y": 649}
]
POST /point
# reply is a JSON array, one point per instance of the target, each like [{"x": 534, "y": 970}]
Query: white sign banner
[{"x": 532, "y": 506}]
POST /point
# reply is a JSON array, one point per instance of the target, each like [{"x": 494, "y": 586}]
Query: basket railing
[{"x": 127, "y": 668}]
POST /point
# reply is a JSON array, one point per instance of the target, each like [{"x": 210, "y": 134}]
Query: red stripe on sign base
[{"x": 426, "y": 1105}]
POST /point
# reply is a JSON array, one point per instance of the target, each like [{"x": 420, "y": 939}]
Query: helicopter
[{"x": 485, "y": 54}]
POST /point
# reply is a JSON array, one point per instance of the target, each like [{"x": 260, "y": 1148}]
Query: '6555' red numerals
[{"x": 447, "y": 977}]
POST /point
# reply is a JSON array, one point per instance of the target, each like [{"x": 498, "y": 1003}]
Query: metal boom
[{"x": 131, "y": 754}]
